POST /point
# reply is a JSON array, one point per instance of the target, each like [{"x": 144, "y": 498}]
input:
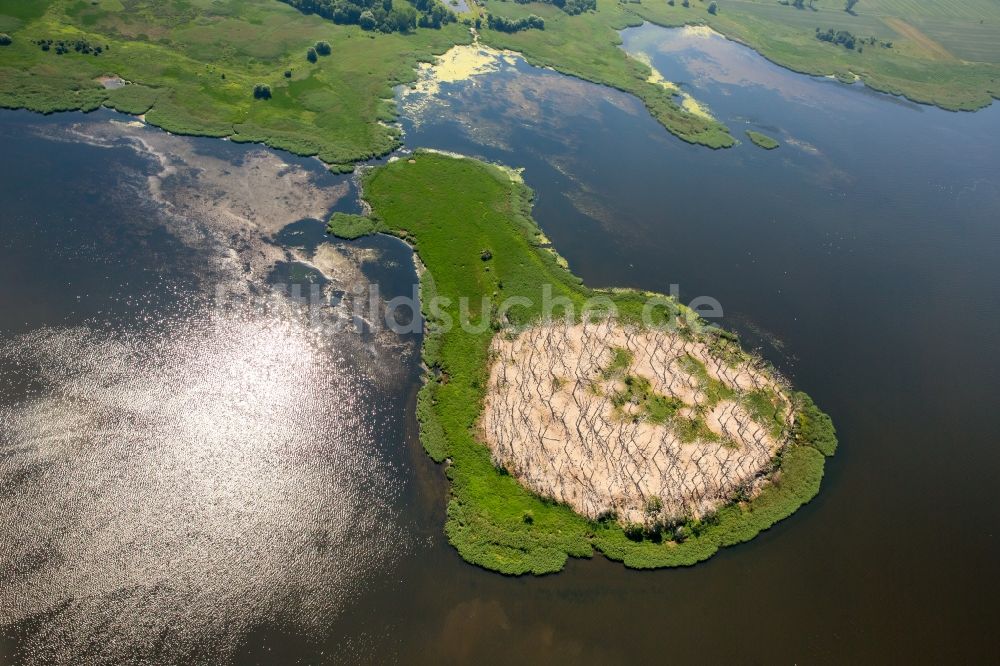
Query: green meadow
[{"x": 470, "y": 223}]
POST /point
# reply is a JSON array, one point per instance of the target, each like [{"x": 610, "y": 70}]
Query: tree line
[
  {"x": 504, "y": 24},
  {"x": 848, "y": 40},
  {"x": 571, "y": 7},
  {"x": 801, "y": 4},
  {"x": 381, "y": 15}
]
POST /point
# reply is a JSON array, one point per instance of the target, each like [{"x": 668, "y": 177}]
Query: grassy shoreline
[
  {"x": 426, "y": 202},
  {"x": 587, "y": 46}
]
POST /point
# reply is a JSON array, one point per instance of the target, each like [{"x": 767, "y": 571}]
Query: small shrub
[
  {"x": 634, "y": 531},
  {"x": 311, "y": 55},
  {"x": 713, "y": 8},
  {"x": 288, "y": 73},
  {"x": 5, "y": 39},
  {"x": 262, "y": 91},
  {"x": 323, "y": 48}
]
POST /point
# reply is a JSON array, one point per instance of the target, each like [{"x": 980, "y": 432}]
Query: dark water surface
[
  {"x": 243, "y": 486},
  {"x": 863, "y": 256}
]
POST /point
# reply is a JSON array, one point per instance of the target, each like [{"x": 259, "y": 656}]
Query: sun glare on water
[{"x": 189, "y": 478}]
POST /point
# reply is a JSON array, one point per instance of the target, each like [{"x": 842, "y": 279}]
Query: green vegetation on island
[
  {"x": 350, "y": 226},
  {"x": 637, "y": 390},
  {"x": 762, "y": 140},
  {"x": 384, "y": 15},
  {"x": 449, "y": 209},
  {"x": 504, "y": 24}
]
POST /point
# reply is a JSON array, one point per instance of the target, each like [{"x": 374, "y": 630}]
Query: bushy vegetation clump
[
  {"x": 349, "y": 226},
  {"x": 813, "y": 427},
  {"x": 61, "y": 46},
  {"x": 571, "y": 7},
  {"x": 504, "y": 24},
  {"x": 848, "y": 40},
  {"x": 5, "y": 39},
  {"x": 382, "y": 15},
  {"x": 842, "y": 37}
]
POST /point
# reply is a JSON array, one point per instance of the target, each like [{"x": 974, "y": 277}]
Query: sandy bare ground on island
[{"x": 550, "y": 421}]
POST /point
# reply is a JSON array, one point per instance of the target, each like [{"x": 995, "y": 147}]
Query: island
[
  {"x": 762, "y": 140},
  {"x": 654, "y": 439}
]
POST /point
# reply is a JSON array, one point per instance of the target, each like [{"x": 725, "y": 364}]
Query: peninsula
[{"x": 655, "y": 444}]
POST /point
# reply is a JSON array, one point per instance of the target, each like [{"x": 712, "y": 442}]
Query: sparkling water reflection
[
  {"x": 206, "y": 476},
  {"x": 175, "y": 474}
]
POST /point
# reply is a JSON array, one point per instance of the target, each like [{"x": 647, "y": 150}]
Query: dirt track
[{"x": 911, "y": 32}]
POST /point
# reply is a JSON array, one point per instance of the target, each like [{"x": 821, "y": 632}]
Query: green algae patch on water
[
  {"x": 451, "y": 208},
  {"x": 762, "y": 140}
]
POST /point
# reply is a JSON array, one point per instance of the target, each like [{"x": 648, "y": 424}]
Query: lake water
[{"x": 861, "y": 257}]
